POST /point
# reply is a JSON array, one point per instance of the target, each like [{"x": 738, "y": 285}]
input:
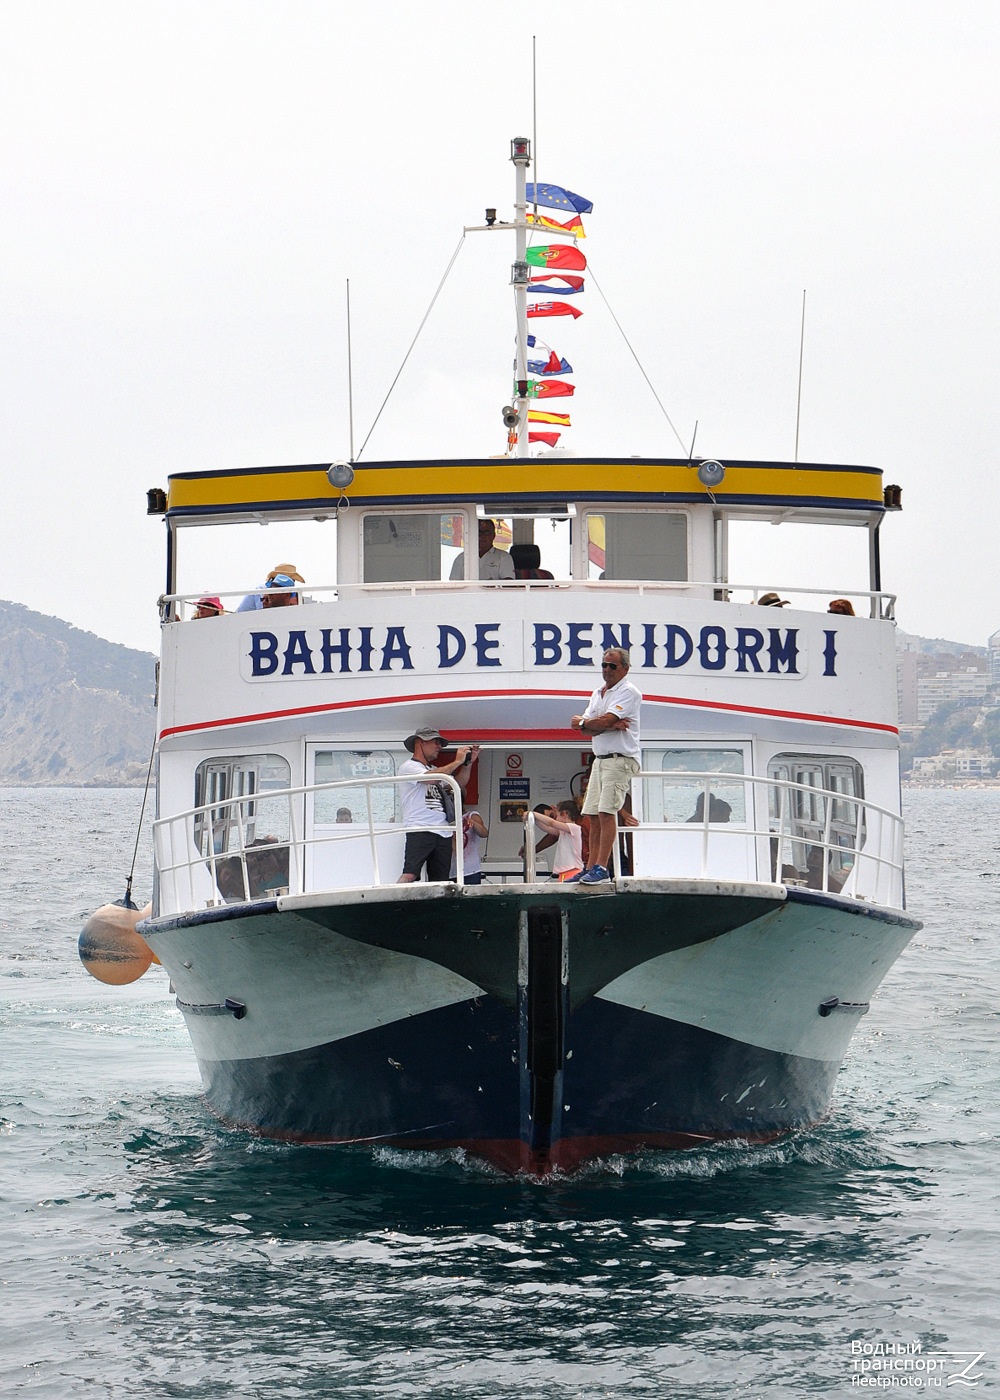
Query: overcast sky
[{"x": 189, "y": 183}]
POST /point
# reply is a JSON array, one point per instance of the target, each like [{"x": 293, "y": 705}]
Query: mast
[{"x": 520, "y": 154}]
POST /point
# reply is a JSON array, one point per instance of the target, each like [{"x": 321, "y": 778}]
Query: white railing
[
  {"x": 197, "y": 867},
  {"x": 846, "y": 846},
  {"x": 879, "y": 604}
]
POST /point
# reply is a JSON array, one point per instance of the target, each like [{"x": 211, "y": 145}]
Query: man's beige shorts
[{"x": 610, "y": 780}]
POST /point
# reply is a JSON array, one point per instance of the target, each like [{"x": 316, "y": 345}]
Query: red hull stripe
[
  {"x": 521, "y": 735},
  {"x": 514, "y": 1158}
]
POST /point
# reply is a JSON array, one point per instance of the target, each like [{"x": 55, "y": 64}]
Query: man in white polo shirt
[
  {"x": 612, "y": 719},
  {"x": 493, "y": 563}
]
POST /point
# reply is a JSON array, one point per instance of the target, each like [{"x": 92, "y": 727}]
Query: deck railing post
[{"x": 376, "y": 874}]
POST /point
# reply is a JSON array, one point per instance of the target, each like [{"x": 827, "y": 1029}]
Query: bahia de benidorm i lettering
[{"x": 529, "y": 646}]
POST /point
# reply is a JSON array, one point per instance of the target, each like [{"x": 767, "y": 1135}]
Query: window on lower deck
[
  {"x": 679, "y": 796},
  {"x": 243, "y": 806},
  {"x": 349, "y": 804},
  {"x": 823, "y": 805},
  {"x": 630, "y": 545},
  {"x": 244, "y": 831}
]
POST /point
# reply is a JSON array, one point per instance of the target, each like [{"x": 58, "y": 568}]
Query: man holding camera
[{"x": 428, "y": 804}]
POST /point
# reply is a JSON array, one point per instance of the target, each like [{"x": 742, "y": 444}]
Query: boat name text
[{"x": 484, "y": 646}]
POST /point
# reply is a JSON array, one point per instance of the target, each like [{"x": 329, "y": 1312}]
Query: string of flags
[{"x": 563, "y": 265}]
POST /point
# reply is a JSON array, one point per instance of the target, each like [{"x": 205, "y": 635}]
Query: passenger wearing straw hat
[{"x": 284, "y": 576}]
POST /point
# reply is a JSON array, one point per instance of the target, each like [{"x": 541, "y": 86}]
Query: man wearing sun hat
[
  {"x": 771, "y": 600},
  {"x": 283, "y": 576},
  {"x": 425, "y": 806}
]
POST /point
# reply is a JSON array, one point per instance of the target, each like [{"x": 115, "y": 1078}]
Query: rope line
[
  {"x": 127, "y": 901},
  {"x": 412, "y": 343},
  {"x": 590, "y": 271}
]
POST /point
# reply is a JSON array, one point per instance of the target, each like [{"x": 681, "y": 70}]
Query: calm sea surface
[{"x": 145, "y": 1251}]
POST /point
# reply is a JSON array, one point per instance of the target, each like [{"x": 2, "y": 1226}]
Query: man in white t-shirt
[
  {"x": 612, "y": 718},
  {"x": 423, "y": 804},
  {"x": 493, "y": 563}
]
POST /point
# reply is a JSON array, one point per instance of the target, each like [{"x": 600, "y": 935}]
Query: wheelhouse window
[
  {"x": 679, "y": 796},
  {"x": 412, "y": 546},
  {"x": 630, "y": 545},
  {"x": 349, "y": 804}
]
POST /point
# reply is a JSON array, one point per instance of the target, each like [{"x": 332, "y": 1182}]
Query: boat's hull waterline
[{"x": 535, "y": 1029}]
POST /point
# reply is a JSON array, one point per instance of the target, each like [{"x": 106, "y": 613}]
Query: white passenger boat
[{"x": 710, "y": 988}]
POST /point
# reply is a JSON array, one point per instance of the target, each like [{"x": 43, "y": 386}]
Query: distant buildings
[
  {"x": 993, "y": 657},
  {"x": 948, "y": 700},
  {"x": 926, "y": 680},
  {"x": 968, "y": 685},
  {"x": 952, "y": 763}
]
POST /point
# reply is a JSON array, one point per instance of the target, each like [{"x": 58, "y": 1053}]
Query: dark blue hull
[
  {"x": 535, "y": 1033},
  {"x": 631, "y": 1080}
]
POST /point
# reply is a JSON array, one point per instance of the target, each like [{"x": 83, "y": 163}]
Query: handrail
[
  {"x": 882, "y": 603},
  {"x": 236, "y": 803},
  {"x": 875, "y": 846},
  {"x": 784, "y": 829},
  {"x": 530, "y": 826}
]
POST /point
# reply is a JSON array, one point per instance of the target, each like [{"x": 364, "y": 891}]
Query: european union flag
[{"x": 555, "y": 197}]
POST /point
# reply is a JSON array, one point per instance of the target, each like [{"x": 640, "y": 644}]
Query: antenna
[
  {"x": 534, "y": 114},
  {"x": 798, "y": 403},
  {"x": 350, "y": 377}
]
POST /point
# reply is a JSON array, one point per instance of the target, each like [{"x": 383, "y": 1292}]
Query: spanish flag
[
  {"x": 537, "y": 415},
  {"x": 573, "y": 228}
]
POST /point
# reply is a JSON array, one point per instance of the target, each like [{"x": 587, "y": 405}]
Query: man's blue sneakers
[{"x": 595, "y": 875}]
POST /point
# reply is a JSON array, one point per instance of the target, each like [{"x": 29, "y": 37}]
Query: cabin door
[{"x": 511, "y": 781}]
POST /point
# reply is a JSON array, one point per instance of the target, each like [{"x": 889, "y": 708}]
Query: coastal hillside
[{"x": 75, "y": 710}]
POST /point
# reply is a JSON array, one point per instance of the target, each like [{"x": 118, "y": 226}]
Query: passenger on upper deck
[
  {"x": 281, "y": 576},
  {"x": 843, "y": 606},
  {"x": 209, "y": 606},
  {"x": 282, "y": 599},
  {"x": 493, "y": 563},
  {"x": 771, "y": 600}
]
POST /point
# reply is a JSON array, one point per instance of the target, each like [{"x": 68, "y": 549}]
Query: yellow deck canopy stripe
[{"x": 272, "y": 488}]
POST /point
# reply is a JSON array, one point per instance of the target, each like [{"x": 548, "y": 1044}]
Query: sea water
[{"x": 147, "y": 1251}]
